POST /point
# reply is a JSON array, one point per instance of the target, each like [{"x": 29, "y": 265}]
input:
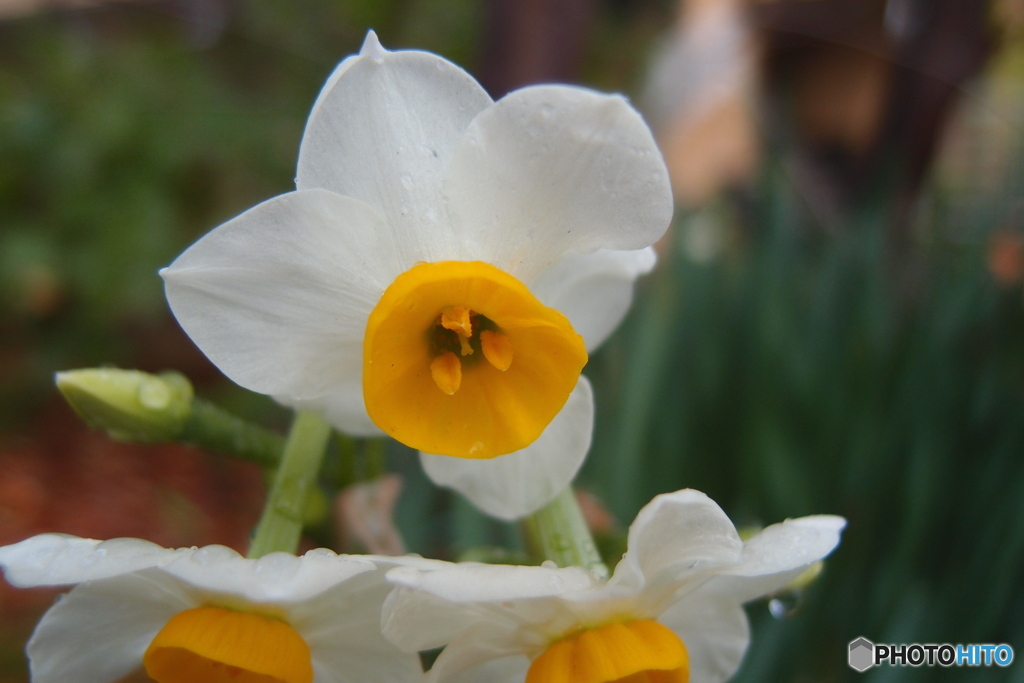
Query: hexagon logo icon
[{"x": 862, "y": 654}]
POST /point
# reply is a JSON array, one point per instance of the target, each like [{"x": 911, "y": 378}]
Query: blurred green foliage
[
  {"x": 797, "y": 368},
  {"x": 798, "y": 373}
]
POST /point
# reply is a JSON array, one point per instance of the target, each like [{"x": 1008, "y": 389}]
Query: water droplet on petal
[
  {"x": 277, "y": 565},
  {"x": 213, "y": 554}
]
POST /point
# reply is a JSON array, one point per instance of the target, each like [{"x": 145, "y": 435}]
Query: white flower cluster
[
  {"x": 685, "y": 568},
  {"x": 439, "y": 275}
]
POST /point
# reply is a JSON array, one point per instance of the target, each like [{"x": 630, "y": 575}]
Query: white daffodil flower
[
  {"x": 671, "y": 613},
  {"x": 206, "y": 614},
  {"x": 442, "y": 270}
]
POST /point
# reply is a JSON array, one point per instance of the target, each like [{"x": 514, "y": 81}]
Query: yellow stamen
[
  {"x": 497, "y": 349},
  {"x": 456, "y": 319},
  {"x": 457, "y": 308},
  {"x": 639, "y": 651},
  {"x": 447, "y": 372},
  {"x": 217, "y": 645}
]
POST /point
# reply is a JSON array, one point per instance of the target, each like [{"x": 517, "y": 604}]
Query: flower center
[
  {"x": 217, "y": 645},
  {"x": 630, "y": 652},
  {"x": 459, "y": 358}
]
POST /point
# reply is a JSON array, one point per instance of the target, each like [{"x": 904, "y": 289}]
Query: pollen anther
[
  {"x": 457, "y": 319},
  {"x": 497, "y": 349},
  {"x": 446, "y": 370}
]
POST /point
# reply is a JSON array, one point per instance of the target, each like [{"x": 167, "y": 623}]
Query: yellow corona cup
[{"x": 460, "y": 358}]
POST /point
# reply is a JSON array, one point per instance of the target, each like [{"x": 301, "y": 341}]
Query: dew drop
[
  {"x": 277, "y": 565},
  {"x": 154, "y": 394},
  {"x": 213, "y": 554},
  {"x": 784, "y": 605}
]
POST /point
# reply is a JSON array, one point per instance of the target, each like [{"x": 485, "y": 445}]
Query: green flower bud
[{"x": 128, "y": 404}]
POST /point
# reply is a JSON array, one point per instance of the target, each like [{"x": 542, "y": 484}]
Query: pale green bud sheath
[
  {"x": 128, "y": 404},
  {"x": 140, "y": 407}
]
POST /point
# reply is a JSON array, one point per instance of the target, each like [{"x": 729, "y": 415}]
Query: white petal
[
  {"x": 550, "y": 170},
  {"x": 593, "y": 290},
  {"x": 477, "y": 658},
  {"x": 469, "y": 583},
  {"x": 429, "y": 609},
  {"x": 793, "y": 544},
  {"x": 415, "y": 620},
  {"x": 383, "y": 131},
  {"x": 371, "y": 48},
  {"x": 514, "y": 485},
  {"x": 496, "y": 668},
  {"x": 716, "y": 633},
  {"x": 342, "y": 627},
  {"x": 678, "y": 535},
  {"x": 100, "y": 630},
  {"x": 778, "y": 554},
  {"x": 343, "y": 406},
  {"x": 58, "y": 559},
  {"x": 277, "y": 578},
  {"x": 278, "y": 297}
]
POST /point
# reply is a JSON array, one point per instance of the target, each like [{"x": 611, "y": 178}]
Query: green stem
[
  {"x": 559, "y": 533},
  {"x": 280, "y": 526},
  {"x": 215, "y": 429}
]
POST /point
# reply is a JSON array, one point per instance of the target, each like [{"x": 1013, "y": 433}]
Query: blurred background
[{"x": 836, "y": 323}]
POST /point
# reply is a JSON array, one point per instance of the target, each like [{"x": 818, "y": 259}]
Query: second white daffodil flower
[
  {"x": 671, "y": 613},
  {"x": 441, "y": 271},
  {"x": 206, "y": 614}
]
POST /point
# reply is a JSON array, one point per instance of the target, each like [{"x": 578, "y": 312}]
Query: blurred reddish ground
[{"x": 62, "y": 477}]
